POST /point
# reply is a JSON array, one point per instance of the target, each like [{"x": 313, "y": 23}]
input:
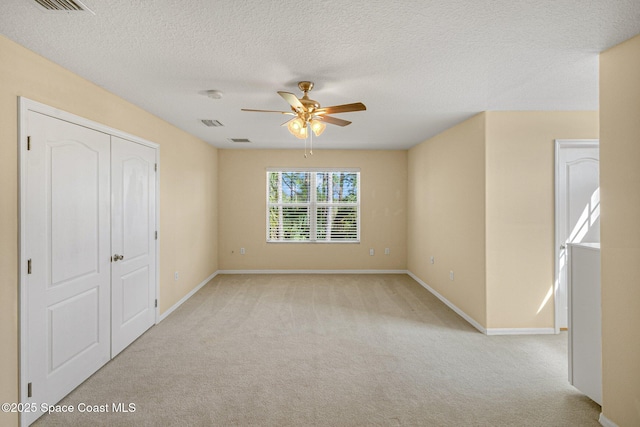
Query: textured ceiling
[{"x": 419, "y": 66}]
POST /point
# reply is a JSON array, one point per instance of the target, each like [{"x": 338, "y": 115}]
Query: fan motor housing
[{"x": 309, "y": 104}]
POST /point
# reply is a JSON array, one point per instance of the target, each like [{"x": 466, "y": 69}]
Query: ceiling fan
[{"x": 308, "y": 113}]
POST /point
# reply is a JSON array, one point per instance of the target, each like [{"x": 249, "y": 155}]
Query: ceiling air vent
[
  {"x": 62, "y": 6},
  {"x": 212, "y": 123},
  {"x": 239, "y": 140}
]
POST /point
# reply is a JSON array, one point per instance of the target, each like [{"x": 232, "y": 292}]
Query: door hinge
[
  {"x": 155, "y": 167},
  {"x": 156, "y": 302},
  {"x": 28, "y": 143},
  {"x": 28, "y": 266},
  {"x": 156, "y": 235},
  {"x": 29, "y": 390}
]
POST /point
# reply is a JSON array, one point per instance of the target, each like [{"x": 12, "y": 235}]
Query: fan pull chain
[
  {"x": 310, "y": 138},
  {"x": 305, "y": 147}
]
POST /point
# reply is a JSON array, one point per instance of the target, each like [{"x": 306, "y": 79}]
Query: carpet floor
[{"x": 328, "y": 350}]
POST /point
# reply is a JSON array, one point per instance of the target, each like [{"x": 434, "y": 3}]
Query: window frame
[{"x": 313, "y": 204}]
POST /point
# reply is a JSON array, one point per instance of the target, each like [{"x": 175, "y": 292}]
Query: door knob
[{"x": 117, "y": 257}]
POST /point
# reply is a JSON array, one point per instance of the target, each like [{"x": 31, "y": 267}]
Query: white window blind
[{"x": 313, "y": 206}]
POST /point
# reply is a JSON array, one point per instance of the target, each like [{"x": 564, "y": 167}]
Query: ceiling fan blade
[
  {"x": 291, "y": 119},
  {"x": 267, "y": 111},
  {"x": 292, "y": 100},
  {"x": 344, "y": 108},
  {"x": 334, "y": 120}
]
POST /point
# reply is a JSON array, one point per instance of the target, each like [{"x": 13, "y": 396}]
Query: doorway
[
  {"x": 577, "y": 209},
  {"x": 88, "y": 249}
]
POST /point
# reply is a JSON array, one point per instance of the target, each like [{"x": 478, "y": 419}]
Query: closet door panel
[
  {"x": 133, "y": 239},
  {"x": 68, "y": 247}
]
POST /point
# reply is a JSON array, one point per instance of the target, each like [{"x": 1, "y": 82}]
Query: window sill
[{"x": 297, "y": 242}]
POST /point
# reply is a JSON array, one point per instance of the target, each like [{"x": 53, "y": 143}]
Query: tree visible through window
[{"x": 313, "y": 206}]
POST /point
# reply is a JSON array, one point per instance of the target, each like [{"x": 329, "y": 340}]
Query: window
[{"x": 313, "y": 205}]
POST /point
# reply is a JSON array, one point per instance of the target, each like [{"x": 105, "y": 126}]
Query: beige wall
[
  {"x": 242, "y": 220},
  {"x": 446, "y": 215},
  {"x": 481, "y": 201},
  {"x": 520, "y": 227},
  {"x": 188, "y": 186},
  {"x": 620, "y": 231}
]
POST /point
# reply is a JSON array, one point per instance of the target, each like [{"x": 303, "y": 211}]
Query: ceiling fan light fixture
[
  {"x": 298, "y": 128},
  {"x": 309, "y": 117},
  {"x": 317, "y": 127}
]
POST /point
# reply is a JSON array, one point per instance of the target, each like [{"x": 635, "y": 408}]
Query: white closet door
[
  {"x": 67, "y": 243},
  {"x": 133, "y": 238}
]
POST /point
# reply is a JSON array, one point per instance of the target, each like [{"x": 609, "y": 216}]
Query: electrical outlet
[
  {"x": 241, "y": 251},
  {"x": 176, "y": 276},
  {"x": 451, "y": 275},
  {"x": 433, "y": 260},
  {"x": 371, "y": 251},
  {"x": 387, "y": 251}
]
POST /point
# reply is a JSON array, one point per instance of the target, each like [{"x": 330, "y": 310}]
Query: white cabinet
[{"x": 585, "y": 324}]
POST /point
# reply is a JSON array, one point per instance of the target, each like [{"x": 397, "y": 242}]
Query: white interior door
[
  {"x": 68, "y": 249},
  {"x": 86, "y": 195},
  {"x": 133, "y": 292},
  {"x": 577, "y": 208}
]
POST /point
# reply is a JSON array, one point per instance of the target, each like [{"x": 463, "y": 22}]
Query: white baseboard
[
  {"x": 606, "y": 422},
  {"x": 312, "y": 272},
  {"x": 186, "y": 297},
  {"x": 520, "y": 331},
  {"x": 449, "y": 304}
]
